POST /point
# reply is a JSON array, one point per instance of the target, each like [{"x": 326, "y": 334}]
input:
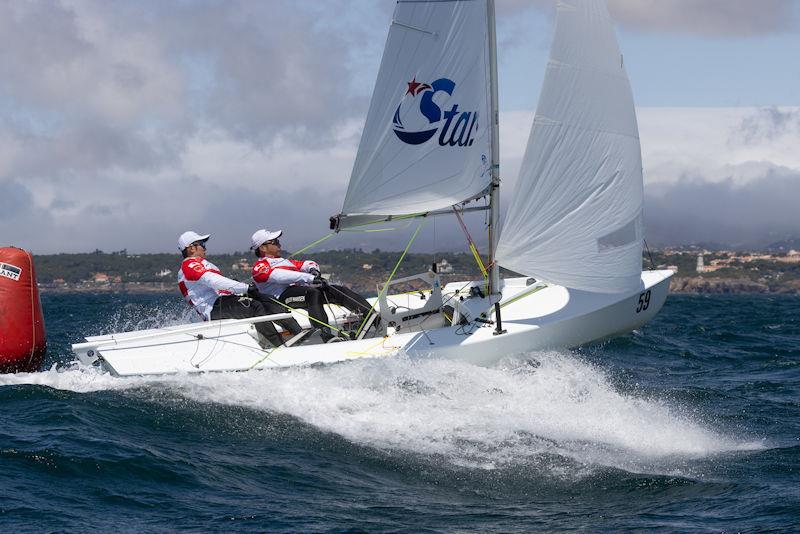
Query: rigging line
[
  {"x": 342, "y": 293},
  {"x": 387, "y": 218},
  {"x": 434, "y": 242},
  {"x": 652, "y": 263},
  {"x": 386, "y": 285},
  {"x": 523, "y": 295},
  {"x": 267, "y": 355},
  {"x": 306, "y": 314},
  {"x": 210, "y": 353},
  {"x": 410, "y": 219},
  {"x": 317, "y": 242},
  {"x": 472, "y": 247}
]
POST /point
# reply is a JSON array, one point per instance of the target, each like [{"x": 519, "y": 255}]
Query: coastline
[{"x": 692, "y": 285}]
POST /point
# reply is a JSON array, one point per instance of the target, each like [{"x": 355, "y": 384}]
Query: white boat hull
[{"x": 534, "y": 317}]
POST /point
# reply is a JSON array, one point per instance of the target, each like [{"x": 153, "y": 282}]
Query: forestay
[
  {"x": 426, "y": 143},
  {"x": 576, "y": 214}
]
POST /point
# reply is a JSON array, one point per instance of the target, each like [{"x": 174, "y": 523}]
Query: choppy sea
[{"x": 691, "y": 424}]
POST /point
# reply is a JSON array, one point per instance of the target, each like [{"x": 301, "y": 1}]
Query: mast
[{"x": 494, "y": 194}]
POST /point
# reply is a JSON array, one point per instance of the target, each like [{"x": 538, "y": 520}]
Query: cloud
[
  {"x": 15, "y": 199},
  {"x": 98, "y": 85},
  {"x": 125, "y": 123},
  {"x": 119, "y": 116},
  {"x": 710, "y": 175},
  {"x": 769, "y": 125},
  {"x": 711, "y": 18},
  {"x": 714, "y": 18},
  {"x": 724, "y": 175},
  {"x": 748, "y": 215},
  {"x": 717, "y": 144}
]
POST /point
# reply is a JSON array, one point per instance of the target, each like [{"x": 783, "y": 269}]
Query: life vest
[
  {"x": 201, "y": 283},
  {"x": 273, "y": 275}
]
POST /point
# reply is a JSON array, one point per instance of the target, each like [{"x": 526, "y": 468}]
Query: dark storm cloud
[{"x": 754, "y": 214}]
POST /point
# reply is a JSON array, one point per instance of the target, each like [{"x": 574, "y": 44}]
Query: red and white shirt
[
  {"x": 201, "y": 283},
  {"x": 273, "y": 275}
]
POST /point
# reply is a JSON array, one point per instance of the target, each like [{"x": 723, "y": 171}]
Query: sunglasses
[
  {"x": 276, "y": 242},
  {"x": 198, "y": 244}
]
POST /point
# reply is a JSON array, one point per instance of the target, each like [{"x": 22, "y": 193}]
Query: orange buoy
[{"x": 22, "y": 338}]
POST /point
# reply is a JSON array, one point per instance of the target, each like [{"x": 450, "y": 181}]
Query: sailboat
[{"x": 430, "y": 148}]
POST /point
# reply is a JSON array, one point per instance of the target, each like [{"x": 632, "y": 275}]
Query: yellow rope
[
  {"x": 366, "y": 352},
  {"x": 479, "y": 260},
  {"x": 472, "y": 247}
]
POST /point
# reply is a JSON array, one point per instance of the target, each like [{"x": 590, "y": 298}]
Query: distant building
[
  {"x": 241, "y": 265},
  {"x": 444, "y": 267},
  {"x": 700, "y": 266},
  {"x": 100, "y": 278},
  {"x": 367, "y": 267},
  {"x": 163, "y": 272}
]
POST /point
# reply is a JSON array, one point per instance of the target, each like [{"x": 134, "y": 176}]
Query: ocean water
[{"x": 691, "y": 424}]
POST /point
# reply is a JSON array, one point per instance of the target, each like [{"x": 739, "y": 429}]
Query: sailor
[
  {"x": 298, "y": 283},
  {"x": 215, "y": 296}
]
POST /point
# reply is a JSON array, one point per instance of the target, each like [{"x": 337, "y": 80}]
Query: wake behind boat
[{"x": 574, "y": 226}]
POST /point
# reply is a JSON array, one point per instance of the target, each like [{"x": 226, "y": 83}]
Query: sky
[{"x": 122, "y": 124}]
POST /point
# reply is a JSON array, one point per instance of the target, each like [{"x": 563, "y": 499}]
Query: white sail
[
  {"x": 576, "y": 215},
  {"x": 426, "y": 144}
]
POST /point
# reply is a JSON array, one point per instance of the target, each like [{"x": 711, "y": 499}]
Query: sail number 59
[{"x": 644, "y": 301}]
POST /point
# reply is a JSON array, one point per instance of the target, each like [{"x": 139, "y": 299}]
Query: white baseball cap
[
  {"x": 187, "y": 238},
  {"x": 262, "y": 236}
]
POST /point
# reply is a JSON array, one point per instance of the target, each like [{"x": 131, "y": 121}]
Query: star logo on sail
[{"x": 456, "y": 128}]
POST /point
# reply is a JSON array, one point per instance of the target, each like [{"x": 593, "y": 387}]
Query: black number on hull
[{"x": 644, "y": 301}]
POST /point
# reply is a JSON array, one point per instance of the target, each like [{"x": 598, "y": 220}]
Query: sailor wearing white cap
[
  {"x": 273, "y": 274},
  {"x": 298, "y": 283},
  {"x": 213, "y": 295}
]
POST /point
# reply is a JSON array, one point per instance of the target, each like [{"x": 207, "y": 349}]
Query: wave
[{"x": 513, "y": 414}]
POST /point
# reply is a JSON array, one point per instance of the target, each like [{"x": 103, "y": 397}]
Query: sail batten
[
  {"x": 576, "y": 215},
  {"x": 426, "y": 144}
]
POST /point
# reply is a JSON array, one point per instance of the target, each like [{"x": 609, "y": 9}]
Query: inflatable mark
[{"x": 22, "y": 337}]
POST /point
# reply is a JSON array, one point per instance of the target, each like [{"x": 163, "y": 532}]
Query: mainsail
[
  {"x": 576, "y": 214},
  {"x": 427, "y": 141}
]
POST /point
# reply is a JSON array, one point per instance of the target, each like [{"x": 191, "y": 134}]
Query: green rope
[
  {"x": 315, "y": 243},
  {"x": 360, "y": 228},
  {"x": 390, "y": 218},
  {"x": 328, "y": 236},
  {"x": 267, "y": 355},
  {"x": 391, "y": 276},
  {"x": 522, "y": 296},
  {"x": 303, "y": 312}
]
